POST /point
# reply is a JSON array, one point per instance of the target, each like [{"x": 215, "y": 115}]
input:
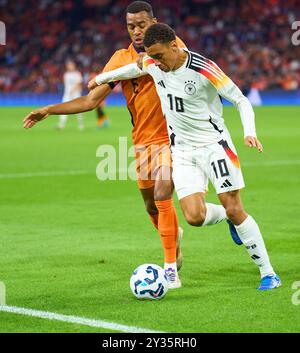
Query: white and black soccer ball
[{"x": 149, "y": 281}]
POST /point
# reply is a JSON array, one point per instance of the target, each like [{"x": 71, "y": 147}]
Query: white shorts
[{"x": 218, "y": 162}]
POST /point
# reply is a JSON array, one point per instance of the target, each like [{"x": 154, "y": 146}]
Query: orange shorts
[{"x": 148, "y": 161}]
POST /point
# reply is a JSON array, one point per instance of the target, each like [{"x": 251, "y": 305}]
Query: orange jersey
[{"x": 149, "y": 125}]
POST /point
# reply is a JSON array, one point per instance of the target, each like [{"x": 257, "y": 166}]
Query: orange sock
[
  {"x": 168, "y": 228},
  {"x": 154, "y": 219}
]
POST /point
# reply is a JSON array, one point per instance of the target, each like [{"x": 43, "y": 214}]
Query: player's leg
[
  {"x": 145, "y": 183},
  {"x": 80, "y": 115},
  {"x": 148, "y": 197},
  {"x": 62, "y": 121},
  {"x": 168, "y": 223},
  {"x": 191, "y": 185},
  {"x": 63, "y": 118},
  {"x": 80, "y": 121},
  {"x": 251, "y": 237},
  {"x": 160, "y": 219},
  {"x": 102, "y": 118},
  {"x": 224, "y": 171},
  {"x": 151, "y": 180},
  {"x": 198, "y": 213}
]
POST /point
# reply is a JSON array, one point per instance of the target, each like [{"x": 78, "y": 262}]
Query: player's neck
[{"x": 182, "y": 55}]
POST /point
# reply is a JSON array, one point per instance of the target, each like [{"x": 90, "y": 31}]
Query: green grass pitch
[{"x": 70, "y": 242}]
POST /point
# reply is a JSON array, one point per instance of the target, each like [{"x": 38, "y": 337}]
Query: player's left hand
[
  {"x": 252, "y": 141},
  {"x": 92, "y": 84},
  {"x": 34, "y": 117}
]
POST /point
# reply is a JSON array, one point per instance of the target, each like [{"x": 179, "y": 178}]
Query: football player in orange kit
[{"x": 149, "y": 136}]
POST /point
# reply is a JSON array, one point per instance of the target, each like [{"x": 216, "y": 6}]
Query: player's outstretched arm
[
  {"x": 77, "y": 105},
  {"x": 126, "y": 72}
]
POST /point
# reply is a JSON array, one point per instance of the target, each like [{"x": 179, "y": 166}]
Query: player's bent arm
[
  {"x": 226, "y": 88},
  {"x": 78, "y": 105},
  {"x": 81, "y": 104},
  {"x": 126, "y": 72},
  {"x": 243, "y": 105},
  {"x": 231, "y": 92}
]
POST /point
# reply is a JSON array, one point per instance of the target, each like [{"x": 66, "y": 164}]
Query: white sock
[
  {"x": 171, "y": 265},
  {"x": 251, "y": 236},
  {"x": 62, "y": 121},
  {"x": 80, "y": 121},
  {"x": 214, "y": 214}
]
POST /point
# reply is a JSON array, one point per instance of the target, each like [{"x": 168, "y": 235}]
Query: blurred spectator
[{"x": 251, "y": 41}]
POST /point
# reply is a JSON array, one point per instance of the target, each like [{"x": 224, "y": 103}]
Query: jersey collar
[
  {"x": 137, "y": 49},
  {"x": 189, "y": 57}
]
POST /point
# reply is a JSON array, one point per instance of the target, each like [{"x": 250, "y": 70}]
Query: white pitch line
[
  {"x": 75, "y": 320},
  {"x": 43, "y": 174},
  {"x": 122, "y": 170}
]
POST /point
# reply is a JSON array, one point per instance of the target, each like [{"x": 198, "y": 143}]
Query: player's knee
[
  {"x": 162, "y": 194},
  {"x": 195, "y": 219},
  {"x": 234, "y": 211},
  {"x": 163, "y": 191}
]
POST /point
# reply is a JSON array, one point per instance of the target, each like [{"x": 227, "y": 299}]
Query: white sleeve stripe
[
  {"x": 218, "y": 77},
  {"x": 221, "y": 73},
  {"x": 198, "y": 62}
]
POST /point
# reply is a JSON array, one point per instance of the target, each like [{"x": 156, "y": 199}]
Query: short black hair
[
  {"x": 138, "y": 6},
  {"x": 159, "y": 33}
]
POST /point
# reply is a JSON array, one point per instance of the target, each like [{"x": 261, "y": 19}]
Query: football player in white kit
[
  {"x": 189, "y": 87},
  {"x": 72, "y": 90}
]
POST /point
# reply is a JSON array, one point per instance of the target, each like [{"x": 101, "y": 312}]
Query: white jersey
[
  {"x": 190, "y": 98},
  {"x": 72, "y": 79}
]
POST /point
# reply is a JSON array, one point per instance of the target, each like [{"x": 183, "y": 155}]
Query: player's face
[
  {"x": 137, "y": 24},
  {"x": 70, "y": 66},
  {"x": 165, "y": 55}
]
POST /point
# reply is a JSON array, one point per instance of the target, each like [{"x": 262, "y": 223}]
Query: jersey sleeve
[
  {"x": 114, "y": 63},
  {"x": 229, "y": 90},
  {"x": 126, "y": 72},
  {"x": 148, "y": 63}
]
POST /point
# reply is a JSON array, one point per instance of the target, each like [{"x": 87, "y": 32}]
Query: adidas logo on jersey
[
  {"x": 226, "y": 184},
  {"x": 161, "y": 83}
]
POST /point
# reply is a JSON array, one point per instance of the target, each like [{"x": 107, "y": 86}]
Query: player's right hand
[
  {"x": 34, "y": 117},
  {"x": 140, "y": 59},
  {"x": 92, "y": 84},
  {"x": 252, "y": 141}
]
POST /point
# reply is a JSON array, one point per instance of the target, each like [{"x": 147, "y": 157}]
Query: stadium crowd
[{"x": 250, "y": 41}]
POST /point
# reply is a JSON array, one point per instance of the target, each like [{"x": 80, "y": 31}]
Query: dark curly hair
[
  {"x": 138, "y": 6},
  {"x": 159, "y": 33}
]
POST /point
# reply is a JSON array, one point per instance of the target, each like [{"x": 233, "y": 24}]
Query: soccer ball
[{"x": 149, "y": 281}]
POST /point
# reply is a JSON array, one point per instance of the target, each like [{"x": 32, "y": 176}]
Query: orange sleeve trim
[{"x": 148, "y": 62}]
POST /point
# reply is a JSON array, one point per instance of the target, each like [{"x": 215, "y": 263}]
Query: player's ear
[
  {"x": 174, "y": 45},
  {"x": 154, "y": 20}
]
